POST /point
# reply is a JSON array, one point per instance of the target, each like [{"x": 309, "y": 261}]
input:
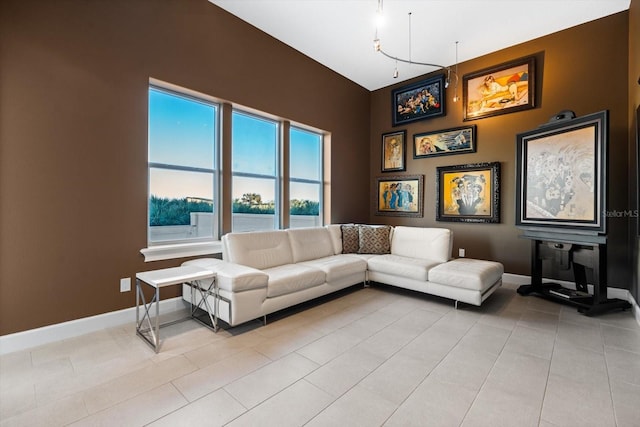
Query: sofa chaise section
[{"x": 420, "y": 260}]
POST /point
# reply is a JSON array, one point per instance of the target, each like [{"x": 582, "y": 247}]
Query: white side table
[{"x": 157, "y": 279}]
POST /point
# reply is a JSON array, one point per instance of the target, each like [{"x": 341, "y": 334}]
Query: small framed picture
[
  {"x": 394, "y": 151},
  {"x": 418, "y": 101},
  {"x": 399, "y": 195},
  {"x": 504, "y": 88},
  {"x": 449, "y": 141},
  {"x": 468, "y": 193}
]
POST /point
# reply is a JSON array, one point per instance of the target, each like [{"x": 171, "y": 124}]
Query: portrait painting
[
  {"x": 505, "y": 88},
  {"x": 560, "y": 175},
  {"x": 393, "y": 151},
  {"x": 399, "y": 195},
  {"x": 418, "y": 101},
  {"x": 449, "y": 141},
  {"x": 468, "y": 193}
]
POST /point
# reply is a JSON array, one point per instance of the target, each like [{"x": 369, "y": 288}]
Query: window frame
[
  {"x": 320, "y": 180},
  {"x": 215, "y": 172},
  {"x": 223, "y": 174},
  {"x": 277, "y": 177}
]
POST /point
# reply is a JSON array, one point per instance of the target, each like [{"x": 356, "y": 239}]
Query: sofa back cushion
[
  {"x": 258, "y": 249},
  {"x": 310, "y": 243},
  {"x": 426, "y": 243},
  {"x": 335, "y": 231}
]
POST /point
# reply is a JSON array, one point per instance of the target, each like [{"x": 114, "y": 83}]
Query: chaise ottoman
[{"x": 465, "y": 279}]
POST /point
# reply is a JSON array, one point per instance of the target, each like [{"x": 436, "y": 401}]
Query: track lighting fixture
[{"x": 377, "y": 46}]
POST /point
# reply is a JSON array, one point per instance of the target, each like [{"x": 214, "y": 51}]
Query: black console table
[{"x": 578, "y": 252}]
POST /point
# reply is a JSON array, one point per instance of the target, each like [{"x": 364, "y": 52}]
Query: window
[
  {"x": 185, "y": 172},
  {"x": 183, "y": 141},
  {"x": 255, "y": 172},
  {"x": 305, "y": 172}
]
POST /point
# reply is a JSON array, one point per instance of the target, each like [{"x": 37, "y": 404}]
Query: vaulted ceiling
[{"x": 339, "y": 33}]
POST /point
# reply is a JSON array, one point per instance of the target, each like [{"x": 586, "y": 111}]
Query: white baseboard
[
  {"x": 60, "y": 331},
  {"x": 612, "y": 292},
  {"x": 73, "y": 328}
]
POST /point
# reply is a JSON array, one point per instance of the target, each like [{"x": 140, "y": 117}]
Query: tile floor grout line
[
  {"x": 546, "y": 384},
  {"x": 485, "y": 378},
  {"x": 606, "y": 364},
  {"x": 430, "y": 372}
]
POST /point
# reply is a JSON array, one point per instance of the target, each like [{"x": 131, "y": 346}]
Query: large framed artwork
[
  {"x": 561, "y": 175},
  {"x": 449, "y": 141},
  {"x": 468, "y": 193},
  {"x": 418, "y": 101},
  {"x": 394, "y": 147},
  {"x": 399, "y": 195},
  {"x": 504, "y": 88}
]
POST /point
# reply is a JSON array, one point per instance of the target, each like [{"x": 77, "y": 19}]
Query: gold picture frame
[{"x": 394, "y": 148}]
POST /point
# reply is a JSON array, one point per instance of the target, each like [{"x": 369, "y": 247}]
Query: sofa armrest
[{"x": 232, "y": 277}]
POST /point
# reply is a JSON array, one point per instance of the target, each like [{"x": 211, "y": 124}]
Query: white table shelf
[{"x": 157, "y": 279}]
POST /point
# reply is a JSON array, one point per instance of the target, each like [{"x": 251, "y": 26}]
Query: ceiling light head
[
  {"x": 379, "y": 15},
  {"x": 395, "y": 73}
]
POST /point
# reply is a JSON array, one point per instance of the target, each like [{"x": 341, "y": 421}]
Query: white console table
[{"x": 157, "y": 279}]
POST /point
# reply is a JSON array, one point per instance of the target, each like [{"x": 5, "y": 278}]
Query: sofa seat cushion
[
  {"x": 232, "y": 277},
  {"x": 289, "y": 278},
  {"x": 338, "y": 266},
  {"x": 467, "y": 273},
  {"x": 412, "y": 268}
]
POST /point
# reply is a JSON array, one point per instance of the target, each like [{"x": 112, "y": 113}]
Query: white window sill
[{"x": 182, "y": 250}]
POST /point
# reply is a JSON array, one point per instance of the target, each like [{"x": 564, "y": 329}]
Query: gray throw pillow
[
  {"x": 374, "y": 239},
  {"x": 350, "y": 239}
]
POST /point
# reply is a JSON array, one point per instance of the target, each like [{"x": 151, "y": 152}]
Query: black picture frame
[
  {"x": 561, "y": 175},
  {"x": 637, "y": 211},
  {"x": 458, "y": 140},
  {"x": 468, "y": 193},
  {"x": 410, "y": 195},
  {"x": 418, "y": 101},
  {"x": 505, "y": 88},
  {"x": 394, "y": 151}
]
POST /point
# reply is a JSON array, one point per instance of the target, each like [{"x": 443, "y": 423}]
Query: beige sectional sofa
[{"x": 267, "y": 271}]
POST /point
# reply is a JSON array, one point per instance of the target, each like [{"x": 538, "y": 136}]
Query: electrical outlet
[
  {"x": 125, "y": 284},
  {"x": 461, "y": 253}
]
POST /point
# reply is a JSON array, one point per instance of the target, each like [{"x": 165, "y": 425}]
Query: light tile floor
[{"x": 369, "y": 357}]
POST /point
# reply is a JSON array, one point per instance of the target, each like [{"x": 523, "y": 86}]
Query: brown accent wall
[
  {"x": 73, "y": 136},
  {"x": 583, "y": 69}
]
